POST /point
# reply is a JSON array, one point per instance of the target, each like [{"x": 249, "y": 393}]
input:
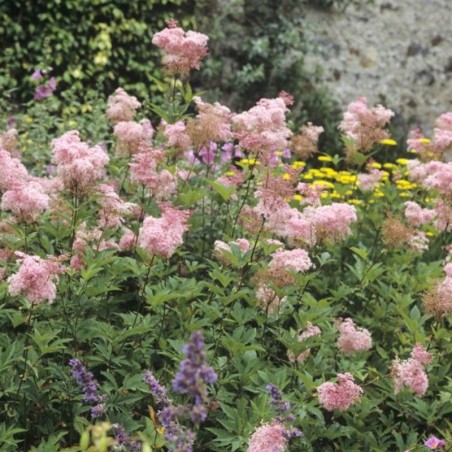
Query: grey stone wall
[{"x": 395, "y": 52}]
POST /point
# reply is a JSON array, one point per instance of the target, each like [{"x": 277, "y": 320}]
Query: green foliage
[{"x": 89, "y": 43}]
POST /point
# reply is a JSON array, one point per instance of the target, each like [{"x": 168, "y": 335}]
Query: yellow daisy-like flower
[
  {"x": 404, "y": 194},
  {"x": 388, "y": 142},
  {"x": 325, "y": 158},
  {"x": 375, "y": 165},
  {"x": 299, "y": 164},
  {"x": 389, "y": 165},
  {"x": 297, "y": 197},
  {"x": 402, "y": 161},
  {"x": 323, "y": 184},
  {"x": 356, "y": 202},
  {"x": 424, "y": 140}
]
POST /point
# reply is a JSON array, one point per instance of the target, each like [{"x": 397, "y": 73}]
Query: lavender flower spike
[
  {"x": 85, "y": 380},
  {"x": 193, "y": 371}
]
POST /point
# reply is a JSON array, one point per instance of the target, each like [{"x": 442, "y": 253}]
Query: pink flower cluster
[
  {"x": 177, "y": 136},
  {"x": 310, "y": 331},
  {"x": 305, "y": 144},
  {"x": 11, "y": 171},
  {"x": 262, "y": 130},
  {"x": 78, "y": 165},
  {"x": 269, "y": 438},
  {"x": 113, "y": 208},
  {"x": 27, "y": 201},
  {"x": 352, "y": 340},
  {"x": 434, "y": 443},
  {"x": 331, "y": 221},
  {"x": 365, "y": 125},
  {"x": 416, "y": 215},
  {"x": 410, "y": 372},
  {"x": 442, "y": 134},
  {"x": 341, "y": 395},
  {"x": 35, "y": 279},
  {"x": 132, "y": 136},
  {"x": 368, "y": 181},
  {"x": 143, "y": 170},
  {"x": 183, "y": 51},
  {"x": 161, "y": 236},
  {"x": 121, "y": 106},
  {"x": 296, "y": 260}
]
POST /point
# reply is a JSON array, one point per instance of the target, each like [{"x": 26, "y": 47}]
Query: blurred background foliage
[{"x": 257, "y": 48}]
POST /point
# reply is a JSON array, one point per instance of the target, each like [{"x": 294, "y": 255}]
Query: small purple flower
[
  {"x": 158, "y": 391},
  {"x": 286, "y": 153},
  {"x": 193, "y": 371},
  {"x": 435, "y": 443},
  {"x": 207, "y": 154},
  {"x": 37, "y": 74},
  {"x": 46, "y": 90},
  {"x": 123, "y": 439},
  {"x": 279, "y": 405},
  {"x": 85, "y": 380}
]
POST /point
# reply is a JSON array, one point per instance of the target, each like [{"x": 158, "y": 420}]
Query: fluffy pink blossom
[
  {"x": 27, "y": 201},
  {"x": 143, "y": 170},
  {"x": 232, "y": 177},
  {"x": 121, "y": 107},
  {"x": 35, "y": 279},
  {"x": 131, "y": 136},
  {"x": 269, "y": 438},
  {"x": 442, "y": 134},
  {"x": 341, "y": 395},
  {"x": 331, "y": 222},
  {"x": 78, "y": 165},
  {"x": 312, "y": 194},
  {"x": 311, "y": 330},
  {"x": 113, "y": 208},
  {"x": 352, "y": 340},
  {"x": 418, "y": 242},
  {"x": 368, "y": 181},
  {"x": 183, "y": 51},
  {"x": 177, "y": 136},
  {"x": 409, "y": 373},
  {"x": 262, "y": 130},
  {"x": 213, "y": 121},
  {"x": 417, "y": 142},
  {"x": 420, "y": 353},
  {"x": 305, "y": 144},
  {"x": 11, "y": 171},
  {"x": 128, "y": 240},
  {"x": 439, "y": 177},
  {"x": 296, "y": 260},
  {"x": 443, "y": 214},
  {"x": 161, "y": 236},
  {"x": 365, "y": 125},
  {"x": 416, "y": 215}
]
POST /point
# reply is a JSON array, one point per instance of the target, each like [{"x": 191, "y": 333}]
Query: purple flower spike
[
  {"x": 193, "y": 371},
  {"x": 85, "y": 380}
]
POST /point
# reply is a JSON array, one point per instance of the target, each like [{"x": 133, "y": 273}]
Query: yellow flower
[
  {"x": 424, "y": 140},
  {"x": 388, "y": 142},
  {"x": 389, "y": 165},
  {"x": 335, "y": 195},
  {"x": 299, "y": 164},
  {"x": 404, "y": 194},
  {"x": 379, "y": 194},
  {"x": 356, "y": 202},
  {"x": 324, "y": 195},
  {"x": 297, "y": 197},
  {"x": 323, "y": 184},
  {"x": 402, "y": 161},
  {"x": 286, "y": 176},
  {"x": 375, "y": 165},
  {"x": 325, "y": 158},
  {"x": 28, "y": 119}
]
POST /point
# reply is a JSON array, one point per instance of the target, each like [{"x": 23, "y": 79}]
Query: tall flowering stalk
[
  {"x": 90, "y": 387},
  {"x": 194, "y": 373}
]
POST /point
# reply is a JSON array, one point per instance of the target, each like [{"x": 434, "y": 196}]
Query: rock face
[{"x": 398, "y": 53}]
